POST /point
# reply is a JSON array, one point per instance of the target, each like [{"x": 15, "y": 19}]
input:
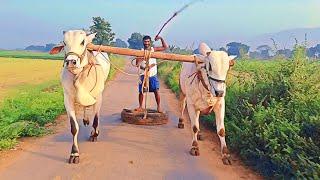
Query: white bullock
[
  {"x": 203, "y": 89},
  {"x": 83, "y": 78}
]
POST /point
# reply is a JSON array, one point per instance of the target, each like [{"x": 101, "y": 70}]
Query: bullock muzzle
[
  {"x": 71, "y": 62},
  {"x": 219, "y": 93}
]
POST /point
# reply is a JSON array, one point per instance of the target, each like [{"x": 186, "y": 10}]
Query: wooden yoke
[{"x": 140, "y": 53}]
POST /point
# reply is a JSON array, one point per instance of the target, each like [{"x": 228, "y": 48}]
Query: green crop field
[
  {"x": 29, "y": 55},
  {"x": 272, "y": 114}
]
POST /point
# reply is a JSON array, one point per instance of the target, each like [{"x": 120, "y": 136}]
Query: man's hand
[
  {"x": 157, "y": 38},
  {"x": 151, "y": 66}
]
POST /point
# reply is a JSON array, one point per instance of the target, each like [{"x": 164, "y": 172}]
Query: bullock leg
[
  {"x": 194, "y": 118},
  {"x": 183, "y": 106},
  {"x": 95, "y": 132},
  {"x": 219, "y": 113},
  {"x": 74, "y": 155},
  {"x": 86, "y": 121},
  {"x": 199, "y": 136}
]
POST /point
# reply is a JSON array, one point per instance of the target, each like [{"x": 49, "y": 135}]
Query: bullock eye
[
  {"x": 64, "y": 43},
  {"x": 210, "y": 68},
  {"x": 82, "y": 43}
]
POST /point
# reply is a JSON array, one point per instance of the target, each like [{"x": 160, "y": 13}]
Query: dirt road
[{"x": 123, "y": 151}]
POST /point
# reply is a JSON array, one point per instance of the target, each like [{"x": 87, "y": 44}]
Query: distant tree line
[{"x": 45, "y": 48}]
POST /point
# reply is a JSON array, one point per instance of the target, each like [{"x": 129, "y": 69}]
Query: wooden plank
[{"x": 140, "y": 53}]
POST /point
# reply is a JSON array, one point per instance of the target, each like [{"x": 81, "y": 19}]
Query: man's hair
[{"x": 146, "y": 38}]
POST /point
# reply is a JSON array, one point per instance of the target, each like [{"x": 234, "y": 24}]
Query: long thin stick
[{"x": 175, "y": 14}]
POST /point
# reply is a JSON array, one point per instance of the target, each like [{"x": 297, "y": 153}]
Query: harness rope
[
  {"x": 145, "y": 84},
  {"x": 95, "y": 68}
]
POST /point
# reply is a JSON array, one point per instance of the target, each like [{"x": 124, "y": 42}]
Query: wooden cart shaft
[{"x": 140, "y": 53}]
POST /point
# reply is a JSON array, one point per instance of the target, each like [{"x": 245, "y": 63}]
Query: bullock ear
[
  {"x": 90, "y": 37},
  {"x": 204, "y": 49},
  {"x": 56, "y": 49},
  {"x": 231, "y": 60}
]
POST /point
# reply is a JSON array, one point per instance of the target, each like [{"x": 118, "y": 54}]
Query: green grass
[
  {"x": 29, "y": 55},
  {"x": 272, "y": 114},
  {"x": 119, "y": 61},
  {"x": 26, "y": 112}
]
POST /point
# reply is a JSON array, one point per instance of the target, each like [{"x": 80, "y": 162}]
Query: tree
[
  {"x": 284, "y": 53},
  {"x": 222, "y": 49},
  {"x": 264, "y": 51},
  {"x": 238, "y": 49},
  {"x": 35, "y": 48},
  {"x": 49, "y": 47},
  {"x": 45, "y": 48},
  {"x": 314, "y": 51},
  {"x": 103, "y": 29},
  {"x": 255, "y": 55},
  {"x": 135, "y": 41},
  {"x": 119, "y": 43}
]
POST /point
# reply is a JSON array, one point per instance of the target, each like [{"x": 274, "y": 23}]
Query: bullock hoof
[
  {"x": 94, "y": 136},
  {"x": 93, "y": 139},
  {"x": 181, "y": 125},
  {"x": 86, "y": 122},
  {"x": 200, "y": 137},
  {"x": 74, "y": 159},
  {"x": 194, "y": 151},
  {"x": 226, "y": 160}
]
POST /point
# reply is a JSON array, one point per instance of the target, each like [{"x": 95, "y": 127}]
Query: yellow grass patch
[{"x": 15, "y": 73}]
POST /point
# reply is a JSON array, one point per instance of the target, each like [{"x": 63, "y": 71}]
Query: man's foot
[
  {"x": 159, "y": 110},
  {"x": 139, "y": 109}
]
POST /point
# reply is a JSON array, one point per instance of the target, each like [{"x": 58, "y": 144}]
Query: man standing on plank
[{"x": 153, "y": 79}]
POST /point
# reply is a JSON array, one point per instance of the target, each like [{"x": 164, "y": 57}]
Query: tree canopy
[
  {"x": 103, "y": 29},
  {"x": 135, "y": 41},
  {"x": 238, "y": 49},
  {"x": 119, "y": 43}
]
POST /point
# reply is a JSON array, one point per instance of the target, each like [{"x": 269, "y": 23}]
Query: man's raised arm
[{"x": 164, "y": 44}]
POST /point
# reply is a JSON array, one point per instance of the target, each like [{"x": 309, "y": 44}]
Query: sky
[{"x": 38, "y": 22}]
